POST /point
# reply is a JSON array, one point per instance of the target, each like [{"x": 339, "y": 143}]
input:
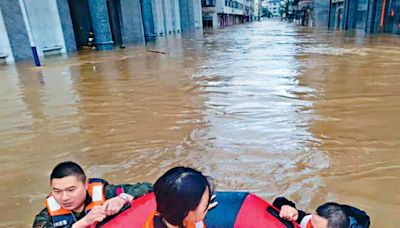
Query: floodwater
[{"x": 266, "y": 107}]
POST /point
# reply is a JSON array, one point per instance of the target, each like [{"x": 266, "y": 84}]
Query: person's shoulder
[
  {"x": 42, "y": 219},
  {"x": 98, "y": 180},
  {"x": 281, "y": 201},
  {"x": 361, "y": 217}
]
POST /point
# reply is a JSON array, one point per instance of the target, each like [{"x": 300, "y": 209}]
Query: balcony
[{"x": 207, "y": 3}]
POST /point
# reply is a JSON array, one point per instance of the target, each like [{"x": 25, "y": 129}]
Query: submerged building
[{"x": 60, "y": 26}]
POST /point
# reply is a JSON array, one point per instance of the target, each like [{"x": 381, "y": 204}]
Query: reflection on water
[
  {"x": 264, "y": 107},
  {"x": 258, "y": 114}
]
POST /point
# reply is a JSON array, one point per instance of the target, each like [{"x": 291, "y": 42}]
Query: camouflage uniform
[{"x": 44, "y": 220}]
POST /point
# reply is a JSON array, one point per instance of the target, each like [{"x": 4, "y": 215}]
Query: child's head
[
  {"x": 330, "y": 215},
  {"x": 183, "y": 195}
]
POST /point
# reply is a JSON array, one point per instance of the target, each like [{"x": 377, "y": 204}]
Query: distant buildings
[
  {"x": 273, "y": 7},
  {"x": 220, "y": 13},
  {"x": 257, "y": 11}
]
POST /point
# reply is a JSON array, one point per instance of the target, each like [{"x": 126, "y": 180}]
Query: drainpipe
[{"x": 29, "y": 31}]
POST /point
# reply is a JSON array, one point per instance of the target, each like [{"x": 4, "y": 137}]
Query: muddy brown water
[{"x": 264, "y": 107}]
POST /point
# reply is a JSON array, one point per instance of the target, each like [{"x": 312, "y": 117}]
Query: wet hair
[
  {"x": 66, "y": 169},
  {"x": 334, "y": 213},
  {"x": 178, "y": 192}
]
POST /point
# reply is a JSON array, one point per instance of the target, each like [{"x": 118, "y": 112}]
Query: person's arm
[
  {"x": 284, "y": 205},
  {"x": 135, "y": 190},
  {"x": 280, "y": 201},
  {"x": 116, "y": 204},
  {"x": 43, "y": 220},
  {"x": 96, "y": 214}
]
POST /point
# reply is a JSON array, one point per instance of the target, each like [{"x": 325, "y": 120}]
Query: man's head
[
  {"x": 68, "y": 183},
  {"x": 330, "y": 215}
]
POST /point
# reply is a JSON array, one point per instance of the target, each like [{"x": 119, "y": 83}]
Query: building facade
[
  {"x": 303, "y": 12},
  {"x": 221, "y": 13},
  {"x": 61, "y": 26},
  {"x": 369, "y": 16},
  {"x": 273, "y": 7},
  {"x": 257, "y": 9}
]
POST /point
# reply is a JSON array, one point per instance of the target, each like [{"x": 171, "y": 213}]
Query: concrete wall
[
  {"x": 257, "y": 8},
  {"x": 374, "y": 17},
  {"x": 148, "y": 20},
  {"x": 132, "y": 22},
  {"x": 191, "y": 15},
  {"x": 176, "y": 16},
  {"x": 158, "y": 15},
  {"x": 167, "y": 16},
  {"x": 350, "y": 14},
  {"x": 66, "y": 24},
  {"x": 5, "y": 47},
  {"x": 45, "y": 24},
  {"x": 15, "y": 26},
  {"x": 101, "y": 24},
  {"x": 198, "y": 19},
  {"x": 184, "y": 12},
  {"x": 321, "y": 13}
]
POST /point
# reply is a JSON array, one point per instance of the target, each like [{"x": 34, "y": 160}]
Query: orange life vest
[
  {"x": 150, "y": 223},
  {"x": 62, "y": 217},
  {"x": 306, "y": 222}
]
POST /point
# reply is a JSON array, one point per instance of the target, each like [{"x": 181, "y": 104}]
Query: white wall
[
  {"x": 167, "y": 16},
  {"x": 198, "y": 17},
  {"x": 4, "y": 41},
  {"x": 45, "y": 24},
  {"x": 158, "y": 15},
  {"x": 177, "y": 16},
  {"x": 175, "y": 19}
]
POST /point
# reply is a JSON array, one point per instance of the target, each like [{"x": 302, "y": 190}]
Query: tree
[
  {"x": 284, "y": 7},
  {"x": 266, "y": 12}
]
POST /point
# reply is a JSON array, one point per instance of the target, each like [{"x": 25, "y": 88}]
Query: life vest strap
[{"x": 54, "y": 208}]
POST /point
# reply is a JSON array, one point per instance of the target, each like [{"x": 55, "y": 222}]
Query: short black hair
[
  {"x": 335, "y": 214},
  {"x": 179, "y": 191},
  {"x": 68, "y": 168}
]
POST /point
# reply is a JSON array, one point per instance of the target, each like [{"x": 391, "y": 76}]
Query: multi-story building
[
  {"x": 60, "y": 26},
  {"x": 220, "y": 13},
  {"x": 273, "y": 7},
  {"x": 257, "y": 9},
  {"x": 248, "y": 11},
  {"x": 303, "y": 12},
  {"x": 370, "y": 16}
]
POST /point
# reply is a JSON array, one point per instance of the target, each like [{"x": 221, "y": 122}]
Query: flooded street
[{"x": 265, "y": 107}]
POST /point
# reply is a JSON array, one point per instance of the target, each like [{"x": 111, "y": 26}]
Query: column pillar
[{"x": 101, "y": 24}]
